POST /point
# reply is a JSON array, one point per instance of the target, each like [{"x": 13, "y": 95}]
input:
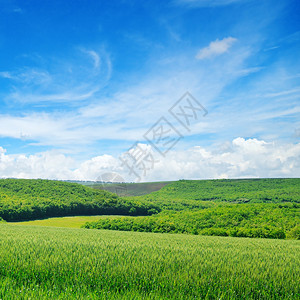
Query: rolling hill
[
  {"x": 265, "y": 208},
  {"x": 22, "y": 199}
]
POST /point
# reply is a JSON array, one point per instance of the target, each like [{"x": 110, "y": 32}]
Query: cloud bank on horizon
[
  {"x": 81, "y": 82},
  {"x": 240, "y": 158}
]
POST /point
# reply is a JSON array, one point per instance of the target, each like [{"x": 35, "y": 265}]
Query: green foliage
[
  {"x": 22, "y": 199},
  {"x": 130, "y": 189},
  {"x": 256, "y": 208},
  {"x": 294, "y": 233},
  {"x": 239, "y": 220},
  {"x": 56, "y": 263},
  {"x": 244, "y": 208},
  {"x": 189, "y": 194}
]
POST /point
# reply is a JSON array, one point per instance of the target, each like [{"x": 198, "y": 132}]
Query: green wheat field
[
  {"x": 211, "y": 239},
  {"x": 66, "y": 263}
]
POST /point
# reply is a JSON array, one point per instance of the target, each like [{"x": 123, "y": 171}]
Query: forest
[
  {"x": 30, "y": 199},
  {"x": 255, "y": 208}
]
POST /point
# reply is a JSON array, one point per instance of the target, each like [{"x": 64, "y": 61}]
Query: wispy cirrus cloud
[
  {"x": 215, "y": 48},
  {"x": 28, "y": 76},
  {"x": 68, "y": 80},
  {"x": 95, "y": 57},
  {"x": 127, "y": 114},
  {"x": 208, "y": 3}
]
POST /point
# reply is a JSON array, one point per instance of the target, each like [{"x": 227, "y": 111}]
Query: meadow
[
  {"x": 69, "y": 222},
  {"x": 64, "y": 263}
]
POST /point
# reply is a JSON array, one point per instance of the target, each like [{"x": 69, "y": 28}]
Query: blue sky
[{"x": 82, "y": 81}]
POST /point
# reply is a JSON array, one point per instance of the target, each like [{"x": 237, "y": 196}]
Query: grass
[
  {"x": 69, "y": 222},
  {"x": 64, "y": 263},
  {"x": 38, "y": 260}
]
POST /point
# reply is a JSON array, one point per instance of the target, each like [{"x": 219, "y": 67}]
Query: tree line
[{"x": 22, "y": 199}]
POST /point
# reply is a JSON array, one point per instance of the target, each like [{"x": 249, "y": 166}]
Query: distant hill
[
  {"x": 191, "y": 193},
  {"x": 29, "y": 199},
  {"x": 130, "y": 189}
]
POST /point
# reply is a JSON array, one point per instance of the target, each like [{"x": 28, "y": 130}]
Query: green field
[
  {"x": 38, "y": 260},
  {"x": 69, "y": 222},
  {"x": 63, "y": 263}
]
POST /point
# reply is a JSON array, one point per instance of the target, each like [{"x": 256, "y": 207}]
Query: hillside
[
  {"x": 191, "y": 193},
  {"x": 265, "y": 208},
  {"x": 22, "y": 199},
  {"x": 130, "y": 189}
]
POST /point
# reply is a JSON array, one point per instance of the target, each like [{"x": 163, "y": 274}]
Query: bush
[
  {"x": 294, "y": 233},
  {"x": 238, "y": 220}
]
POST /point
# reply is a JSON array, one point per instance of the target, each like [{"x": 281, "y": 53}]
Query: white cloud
[
  {"x": 207, "y": 3},
  {"x": 72, "y": 79},
  {"x": 50, "y": 165},
  {"x": 71, "y": 95},
  {"x": 216, "y": 47},
  {"x": 18, "y": 10},
  {"x": 95, "y": 57},
  {"x": 241, "y": 158},
  {"x": 6, "y": 75},
  {"x": 93, "y": 169},
  {"x": 28, "y": 76},
  {"x": 128, "y": 111}
]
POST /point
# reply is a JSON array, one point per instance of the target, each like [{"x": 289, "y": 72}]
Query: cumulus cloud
[
  {"x": 215, "y": 48},
  {"x": 93, "y": 169},
  {"x": 47, "y": 165},
  {"x": 240, "y": 158}
]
